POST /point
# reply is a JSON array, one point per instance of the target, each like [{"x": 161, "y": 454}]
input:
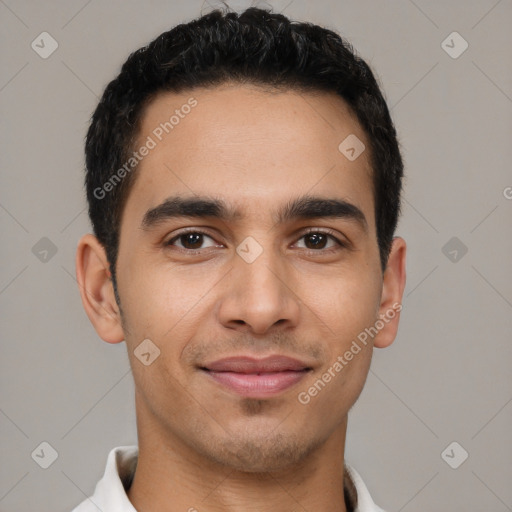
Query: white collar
[{"x": 110, "y": 494}]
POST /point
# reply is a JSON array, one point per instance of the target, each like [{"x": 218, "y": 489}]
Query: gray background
[{"x": 446, "y": 378}]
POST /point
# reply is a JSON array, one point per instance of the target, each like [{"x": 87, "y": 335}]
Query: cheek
[
  {"x": 348, "y": 302},
  {"x": 163, "y": 302},
  {"x": 154, "y": 290}
]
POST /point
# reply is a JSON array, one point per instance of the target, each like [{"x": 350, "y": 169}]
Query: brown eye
[
  {"x": 318, "y": 240},
  {"x": 192, "y": 240}
]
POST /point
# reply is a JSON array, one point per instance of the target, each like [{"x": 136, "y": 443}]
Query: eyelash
[{"x": 327, "y": 232}]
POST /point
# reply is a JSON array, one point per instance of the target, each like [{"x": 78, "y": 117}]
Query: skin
[{"x": 201, "y": 445}]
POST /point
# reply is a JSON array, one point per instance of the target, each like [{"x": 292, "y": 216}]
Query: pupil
[
  {"x": 192, "y": 239},
  {"x": 317, "y": 239}
]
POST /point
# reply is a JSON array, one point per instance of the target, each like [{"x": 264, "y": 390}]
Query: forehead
[{"x": 252, "y": 146}]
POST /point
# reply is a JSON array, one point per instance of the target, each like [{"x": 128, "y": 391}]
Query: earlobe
[
  {"x": 96, "y": 289},
  {"x": 392, "y": 292}
]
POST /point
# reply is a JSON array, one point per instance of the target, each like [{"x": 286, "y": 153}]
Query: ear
[
  {"x": 96, "y": 289},
  {"x": 392, "y": 292}
]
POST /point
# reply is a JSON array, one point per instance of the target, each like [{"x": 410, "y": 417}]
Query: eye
[
  {"x": 316, "y": 240},
  {"x": 191, "y": 240}
]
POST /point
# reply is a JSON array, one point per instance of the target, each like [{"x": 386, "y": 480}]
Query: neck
[{"x": 171, "y": 476}]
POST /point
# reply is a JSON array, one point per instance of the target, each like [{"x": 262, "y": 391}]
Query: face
[{"x": 231, "y": 272}]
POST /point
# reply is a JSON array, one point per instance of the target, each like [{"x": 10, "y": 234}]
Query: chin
[{"x": 262, "y": 453}]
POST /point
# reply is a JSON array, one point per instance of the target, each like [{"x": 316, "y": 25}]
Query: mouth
[{"x": 257, "y": 378}]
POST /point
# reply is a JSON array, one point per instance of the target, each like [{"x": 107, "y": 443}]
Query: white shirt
[{"x": 110, "y": 492}]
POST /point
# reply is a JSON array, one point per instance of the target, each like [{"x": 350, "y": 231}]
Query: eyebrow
[{"x": 305, "y": 207}]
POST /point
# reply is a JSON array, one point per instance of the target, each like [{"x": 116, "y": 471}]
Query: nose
[{"x": 259, "y": 296}]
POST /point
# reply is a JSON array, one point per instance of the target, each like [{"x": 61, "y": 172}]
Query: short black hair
[{"x": 255, "y": 46}]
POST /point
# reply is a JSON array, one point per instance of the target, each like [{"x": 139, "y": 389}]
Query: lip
[
  {"x": 257, "y": 378},
  {"x": 248, "y": 364}
]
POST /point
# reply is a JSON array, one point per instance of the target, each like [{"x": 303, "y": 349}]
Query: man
[{"x": 243, "y": 179}]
